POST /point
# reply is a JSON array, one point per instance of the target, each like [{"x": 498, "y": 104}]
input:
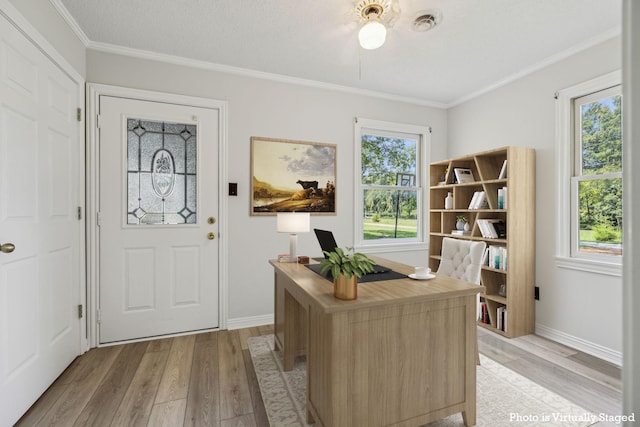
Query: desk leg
[
  {"x": 469, "y": 417},
  {"x": 290, "y": 332},
  {"x": 472, "y": 357},
  {"x": 310, "y": 419}
]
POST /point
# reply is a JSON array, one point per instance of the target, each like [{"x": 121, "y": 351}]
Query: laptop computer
[{"x": 328, "y": 244}]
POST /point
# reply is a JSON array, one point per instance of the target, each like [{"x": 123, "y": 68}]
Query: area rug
[{"x": 507, "y": 398}]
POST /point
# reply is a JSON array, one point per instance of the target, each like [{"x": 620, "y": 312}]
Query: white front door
[
  {"x": 40, "y": 192},
  {"x": 158, "y": 218}
]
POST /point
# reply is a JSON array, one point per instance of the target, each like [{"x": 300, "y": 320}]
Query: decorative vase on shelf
[
  {"x": 466, "y": 226},
  {"x": 448, "y": 201},
  {"x": 460, "y": 225}
]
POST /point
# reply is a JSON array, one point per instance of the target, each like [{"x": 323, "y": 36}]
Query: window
[
  {"x": 390, "y": 163},
  {"x": 590, "y": 146}
]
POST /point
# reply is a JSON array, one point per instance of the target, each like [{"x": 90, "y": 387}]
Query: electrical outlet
[{"x": 536, "y": 292}]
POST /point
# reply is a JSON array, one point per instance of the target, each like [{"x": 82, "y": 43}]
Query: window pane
[
  {"x": 161, "y": 180},
  {"x": 600, "y": 203},
  {"x": 602, "y": 136},
  {"x": 383, "y": 158},
  {"x": 390, "y": 214}
]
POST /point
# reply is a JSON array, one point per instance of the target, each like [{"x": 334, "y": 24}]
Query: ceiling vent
[{"x": 425, "y": 20}]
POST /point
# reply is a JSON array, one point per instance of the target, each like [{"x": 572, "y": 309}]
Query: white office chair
[{"x": 462, "y": 260}]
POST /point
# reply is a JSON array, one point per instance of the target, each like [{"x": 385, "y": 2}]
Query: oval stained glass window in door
[{"x": 163, "y": 177}]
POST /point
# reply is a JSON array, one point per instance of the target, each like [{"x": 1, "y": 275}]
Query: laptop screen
[{"x": 326, "y": 240}]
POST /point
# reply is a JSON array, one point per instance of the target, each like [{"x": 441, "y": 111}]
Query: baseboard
[
  {"x": 588, "y": 347},
  {"x": 248, "y": 322}
]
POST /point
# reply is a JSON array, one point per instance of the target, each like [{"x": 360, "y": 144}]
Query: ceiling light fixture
[{"x": 376, "y": 15}]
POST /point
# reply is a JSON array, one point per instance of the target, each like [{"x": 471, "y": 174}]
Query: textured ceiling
[{"x": 478, "y": 44}]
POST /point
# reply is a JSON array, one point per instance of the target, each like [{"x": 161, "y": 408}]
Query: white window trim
[
  {"x": 390, "y": 245},
  {"x": 564, "y": 167}
]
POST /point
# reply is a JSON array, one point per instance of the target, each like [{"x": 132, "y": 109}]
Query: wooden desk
[{"x": 402, "y": 354}]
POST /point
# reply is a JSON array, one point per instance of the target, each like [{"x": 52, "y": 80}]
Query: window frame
[
  {"x": 385, "y": 128},
  {"x": 567, "y": 234}
]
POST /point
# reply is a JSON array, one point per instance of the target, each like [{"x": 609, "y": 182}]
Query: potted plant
[
  {"x": 346, "y": 268},
  {"x": 461, "y": 222}
]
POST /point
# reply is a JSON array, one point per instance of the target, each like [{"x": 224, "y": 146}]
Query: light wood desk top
[{"x": 319, "y": 291}]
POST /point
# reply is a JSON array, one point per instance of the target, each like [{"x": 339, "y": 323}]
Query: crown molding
[
  {"x": 211, "y": 66},
  {"x": 614, "y": 32},
  {"x": 71, "y": 22}
]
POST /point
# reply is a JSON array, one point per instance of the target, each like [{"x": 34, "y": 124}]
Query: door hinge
[
  {"x": 79, "y": 114},
  {"x": 79, "y": 213},
  {"x": 98, "y": 316},
  {"x": 98, "y": 219},
  {"x": 98, "y": 118},
  {"x": 80, "y": 311}
]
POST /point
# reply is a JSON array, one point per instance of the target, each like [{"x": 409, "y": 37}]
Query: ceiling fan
[{"x": 375, "y": 16}]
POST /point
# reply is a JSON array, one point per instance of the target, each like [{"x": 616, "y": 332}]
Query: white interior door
[
  {"x": 40, "y": 190},
  {"x": 158, "y": 218}
]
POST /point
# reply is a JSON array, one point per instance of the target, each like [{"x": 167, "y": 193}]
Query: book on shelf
[
  {"x": 503, "y": 170},
  {"x": 461, "y": 232},
  {"x": 479, "y": 201},
  {"x": 501, "y": 318},
  {"x": 485, "y": 257},
  {"x": 463, "y": 175},
  {"x": 502, "y": 198},
  {"x": 482, "y": 226},
  {"x": 492, "y": 228},
  {"x": 484, "y": 314},
  {"x": 497, "y": 258}
]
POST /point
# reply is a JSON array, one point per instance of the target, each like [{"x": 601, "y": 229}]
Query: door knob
[
  {"x": 211, "y": 220},
  {"x": 7, "y": 248},
  {"x": 211, "y": 236}
]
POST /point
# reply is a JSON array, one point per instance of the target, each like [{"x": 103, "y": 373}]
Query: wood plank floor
[{"x": 208, "y": 380}]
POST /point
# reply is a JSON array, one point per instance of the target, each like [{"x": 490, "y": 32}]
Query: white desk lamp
[{"x": 293, "y": 222}]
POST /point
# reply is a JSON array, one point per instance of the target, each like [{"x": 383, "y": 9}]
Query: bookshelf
[{"x": 514, "y": 264}]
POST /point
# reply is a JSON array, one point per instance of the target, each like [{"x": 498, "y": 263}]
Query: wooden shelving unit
[{"x": 519, "y": 217}]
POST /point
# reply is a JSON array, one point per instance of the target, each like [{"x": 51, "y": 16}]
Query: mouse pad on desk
[{"x": 389, "y": 275}]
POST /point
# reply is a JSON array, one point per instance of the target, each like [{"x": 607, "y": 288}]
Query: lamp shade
[
  {"x": 372, "y": 35},
  {"x": 293, "y": 222}
]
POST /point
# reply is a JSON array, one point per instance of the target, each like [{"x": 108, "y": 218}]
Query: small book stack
[
  {"x": 495, "y": 256},
  {"x": 479, "y": 201},
  {"x": 492, "y": 228}
]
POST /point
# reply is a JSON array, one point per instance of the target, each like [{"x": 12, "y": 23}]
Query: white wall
[
  {"x": 44, "y": 17},
  {"x": 278, "y": 110},
  {"x": 583, "y": 308}
]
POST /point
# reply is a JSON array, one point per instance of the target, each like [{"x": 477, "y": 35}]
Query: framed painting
[{"x": 292, "y": 176}]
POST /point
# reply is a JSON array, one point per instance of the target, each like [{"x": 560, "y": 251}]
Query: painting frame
[{"x": 292, "y": 176}]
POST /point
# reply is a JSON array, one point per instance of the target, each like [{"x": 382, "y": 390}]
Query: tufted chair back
[{"x": 461, "y": 259}]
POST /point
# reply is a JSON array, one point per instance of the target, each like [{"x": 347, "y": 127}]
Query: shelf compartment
[{"x": 490, "y": 165}]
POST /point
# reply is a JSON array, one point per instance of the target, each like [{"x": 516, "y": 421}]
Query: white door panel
[
  {"x": 40, "y": 187},
  {"x": 158, "y": 268}
]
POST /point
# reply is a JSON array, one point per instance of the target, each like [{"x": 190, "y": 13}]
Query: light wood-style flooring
[{"x": 208, "y": 380}]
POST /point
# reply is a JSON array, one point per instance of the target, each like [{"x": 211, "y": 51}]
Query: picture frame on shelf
[{"x": 463, "y": 175}]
